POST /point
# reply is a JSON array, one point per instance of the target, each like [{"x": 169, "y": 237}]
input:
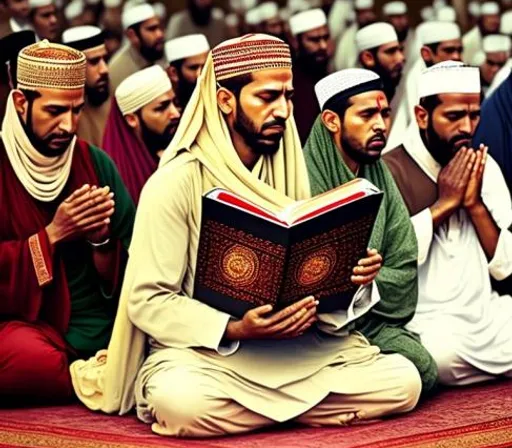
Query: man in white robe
[
  {"x": 380, "y": 51},
  {"x": 496, "y": 52},
  {"x": 462, "y": 212},
  {"x": 207, "y": 373},
  {"x": 504, "y": 72},
  {"x": 346, "y": 52},
  {"x": 488, "y": 23},
  {"x": 439, "y": 42}
]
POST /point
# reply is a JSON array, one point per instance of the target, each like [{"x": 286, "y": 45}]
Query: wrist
[
  {"x": 475, "y": 208},
  {"x": 234, "y": 330},
  {"x": 53, "y": 236}
]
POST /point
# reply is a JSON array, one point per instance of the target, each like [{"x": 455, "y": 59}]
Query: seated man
[
  {"x": 140, "y": 126},
  {"x": 207, "y": 373},
  {"x": 461, "y": 211},
  {"x": 62, "y": 237},
  {"x": 186, "y": 56},
  {"x": 346, "y": 142}
]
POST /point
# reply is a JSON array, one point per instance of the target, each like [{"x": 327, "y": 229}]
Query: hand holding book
[{"x": 367, "y": 268}]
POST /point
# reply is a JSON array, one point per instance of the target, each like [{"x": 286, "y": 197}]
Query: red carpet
[{"x": 462, "y": 418}]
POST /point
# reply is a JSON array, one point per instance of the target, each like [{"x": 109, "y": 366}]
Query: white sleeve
[
  {"x": 159, "y": 262},
  {"x": 364, "y": 299},
  {"x": 424, "y": 228},
  {"x": 496, "y": 197}
]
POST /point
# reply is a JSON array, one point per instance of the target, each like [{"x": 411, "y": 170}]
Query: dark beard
[
  {"x": 245, "y": 127},
  {"x": 42, "y": 145},
  {"x": 441, "y": 150},
  {"x": 96, "y": 97},
  {"x": 402, "y": 35},
  {"x": 308, "y": 63},
  {"x": 389, "y": 83},
  {"x": 360, "y": 155},
  {"x": 157, "y": 142},
  {"x": 200, "y": 16},
  {"x": 184, "y": 92},
  {"x": 151, "y": 54}
]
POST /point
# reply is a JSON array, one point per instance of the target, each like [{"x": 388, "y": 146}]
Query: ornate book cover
[{"x": 248, "y": 259}]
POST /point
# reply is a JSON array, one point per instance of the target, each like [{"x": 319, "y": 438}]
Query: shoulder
[{"x": 119, "y": 56}]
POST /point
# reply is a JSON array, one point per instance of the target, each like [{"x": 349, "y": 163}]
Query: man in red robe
[{"x": 63, "y": 237}]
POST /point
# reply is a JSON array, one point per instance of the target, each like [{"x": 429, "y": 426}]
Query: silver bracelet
[{"x": 103, "y": 243}]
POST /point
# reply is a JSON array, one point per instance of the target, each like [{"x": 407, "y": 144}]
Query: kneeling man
[
  {"x": 462, "y": 212},
  {"x": 208, "y": 374},
  {"x": 346, "y": 142}
]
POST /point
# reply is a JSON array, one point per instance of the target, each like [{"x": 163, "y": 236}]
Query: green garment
[
  {"x": 393, "y": 236},
  {"x": 92, "y": 310}
]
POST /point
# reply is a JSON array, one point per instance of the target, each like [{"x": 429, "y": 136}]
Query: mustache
[
  {"x": 172, "y": 126},
  {"x": 460, "y": 137},
  {"x": 276, "y": 122},
  {"x": 379, "y": 137},
  {"x": 62, "y": 136}
]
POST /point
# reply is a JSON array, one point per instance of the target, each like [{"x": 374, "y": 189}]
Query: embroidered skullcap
[
  {"x": 506, "y": 23},
  {"x": 252, "y": 17},
  {"x": 495, "y": 43},
  {"x": 250, "y": 53},
  {"x": 427, "y": 14},
  {"x": 50, "y": 66},
  {"x": 474, "y": 8},
  {"x": 160, "y": 9},
  {"x": 449, "y": 77},
  {"x": 39, "y": 3},
  {"x": 375, "y": 35},
  {"x": 341, "y": 85},
  {"x": 186, "y": 46},
  {"x": 489, "y": 9},
  {"x": 268, "y": 10},
  {"x": 435, "y": 32},
  {"x": 446, "y": 14},
  {"x": 363, "y": 4},
  {"x": 83, "y": 38},
  {"x": 394, "y": 8},
  {"x": 137, "y": 14},
  {"x": 141, "y": 88},
  {"x": 307, "y": 21},
  {"x": 74, "y": 9}
]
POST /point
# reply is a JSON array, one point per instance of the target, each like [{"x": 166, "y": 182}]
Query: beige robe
[
  {"x": 472, "y": 43},
  {"x": 124, "y": 63},
  {"x": 93, "y": 120}
]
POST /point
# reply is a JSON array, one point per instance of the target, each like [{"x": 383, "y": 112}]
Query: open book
[{"x": 249, "y": 256}]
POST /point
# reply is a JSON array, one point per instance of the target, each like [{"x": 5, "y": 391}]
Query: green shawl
[{"x": 393, "y": 236}]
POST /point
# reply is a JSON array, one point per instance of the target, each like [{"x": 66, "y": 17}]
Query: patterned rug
[{"x": 475, "y": 417}]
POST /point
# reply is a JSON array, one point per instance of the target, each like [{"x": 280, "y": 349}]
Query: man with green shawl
[{"x": 346, "y": 142}]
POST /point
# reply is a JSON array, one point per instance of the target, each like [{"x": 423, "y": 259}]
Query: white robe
[
  {"x": 457, "y": 307},
  {"x": 400, "y": 117},
  {"x": 472, "y": 43},
  {"x": 346, "y": 50},
  {"x": 338, "y": 16},
  {"x": 411, "y": 86}
]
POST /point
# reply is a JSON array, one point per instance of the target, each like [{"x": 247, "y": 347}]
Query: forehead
[
  {"x": 453, "y": 100},
  {"x": 196, "y": 59},
  {"x": 451, "y": 43},
  {"x": 273, "y": 79},
  {"x": 60, "y": 96},
  {"x": 389, "y": 46},
  {"x": 48, "y": 9},
  {"x": 154, "y": 21},
  {"x": 497, "y": 56},
  {"x": 97, "y": 52},
  {"x": 317, "y": 32},
  {"x": 374, "y": 98},
  {"x": 167, "y": 96}
]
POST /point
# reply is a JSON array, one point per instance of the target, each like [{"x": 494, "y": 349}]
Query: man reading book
[
  {"x": 208, "y": 373},
  {"x": 346, "y": 142}
]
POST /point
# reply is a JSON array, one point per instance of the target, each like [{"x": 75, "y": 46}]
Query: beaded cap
[
  {"x": 250, "y": 53},
  {"x": 51, "y": 66}
]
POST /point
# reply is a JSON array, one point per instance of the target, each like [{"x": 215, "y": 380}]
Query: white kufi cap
[
  {"x": 268, "y": 10},
  {"x": 474, "y": 8},
  {"x": 346, "y": 83},
  {"x": 495, "y": 43},
  {"x": 39, "y": 3},
  {"x": 446, "y": 14},
  {"x": 394, "y": 8},
  {"x": 112, "y": 3},
  {"x": 252, "y": 17},
  {"x": 74, "y": 9},
  {"x": 141, "y": 88},
  {"x": 375, "y": 35},
  {"x": 186, "y": 47},
  {"x": 137, "y": 14},
  {"x": 363, "y": 4},
  {"x": 160, "y": 9},
  {"x": 449, "y": 77},
  {"x": 307, "y": 21},
  {"x": 427, "y": 14},
  {"x": 489, "y": 8},
  {"x": 506, "y": 23},
  {"x": 435, "y": 32},
  {"x": 84, "y": 34}
]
